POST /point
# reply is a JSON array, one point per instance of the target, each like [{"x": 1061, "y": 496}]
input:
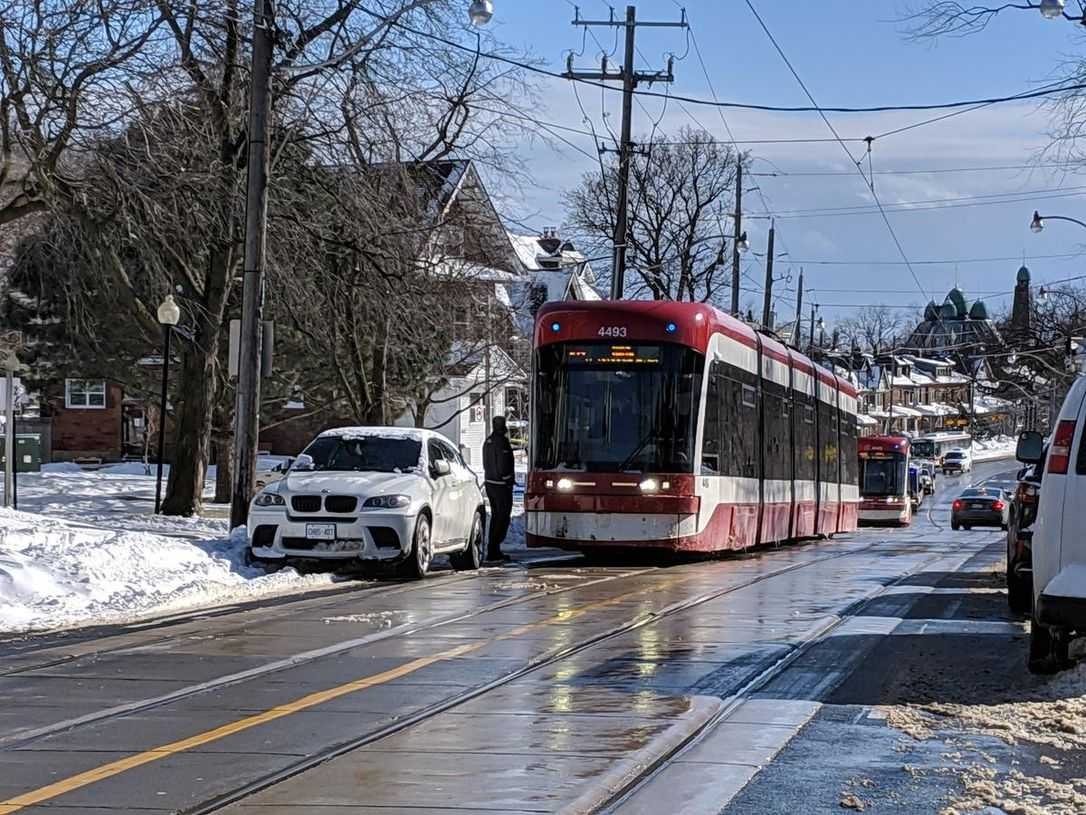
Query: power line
[
  {"x": 945, "y": 262},
  {"x": 1038, "y": 193},
  {"x": 813, "y": 108},
  {"x": 950, "y": 204},
  {"x": 933, "y": 171},
  {"x": 833, "y": 130}
]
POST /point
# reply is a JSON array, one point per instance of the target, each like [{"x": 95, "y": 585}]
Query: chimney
[{"x": 550, "y": 242}]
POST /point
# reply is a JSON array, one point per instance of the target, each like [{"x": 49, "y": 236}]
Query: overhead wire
[
  {"x": 781, "y": 173},
  {"x": 813, "y": 108},
  {"x": 833, "y": 130},
  {"x": 692, "y": 40}
]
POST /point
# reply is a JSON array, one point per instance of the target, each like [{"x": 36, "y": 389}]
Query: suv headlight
[
  {"x": 387, "y": 502},
  {"x": 269, "y": 499}
]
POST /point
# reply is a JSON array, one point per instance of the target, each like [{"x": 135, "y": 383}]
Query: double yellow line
[{"x": 311, "y": 700}]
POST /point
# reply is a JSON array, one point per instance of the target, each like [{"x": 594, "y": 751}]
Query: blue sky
[{"x": 851, "y": 54}]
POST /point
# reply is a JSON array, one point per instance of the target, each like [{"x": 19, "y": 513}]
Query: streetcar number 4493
[{"x": 613, "y": 331}]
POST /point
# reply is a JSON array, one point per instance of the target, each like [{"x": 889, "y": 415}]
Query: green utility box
[{"x": 28, "y": 453}]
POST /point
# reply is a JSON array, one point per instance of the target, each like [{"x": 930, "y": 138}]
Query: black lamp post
[{"x": 169, "y": 315}]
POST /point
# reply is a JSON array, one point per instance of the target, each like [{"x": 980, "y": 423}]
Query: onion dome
[
  {"x": 957, "y": 297},
  {"x": 1023, "y": 275},
  {"x": 979, "y": 311},
  {"x": 931, "y": 313},
  {"x": 948, "y": 311}
]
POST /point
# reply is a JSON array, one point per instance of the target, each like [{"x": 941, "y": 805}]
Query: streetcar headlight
[
  {"x": 650, "y": 485},
  {"x": 564, "y": 484}
]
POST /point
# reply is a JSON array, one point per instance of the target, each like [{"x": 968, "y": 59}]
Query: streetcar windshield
[
  {"x": 604, "y": 407},
  {"x": 882, "y": 476}
]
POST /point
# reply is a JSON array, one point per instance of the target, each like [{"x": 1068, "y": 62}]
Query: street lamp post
[
  {"x": 169, "y": 315},
  {"x": 1038, "y": 222},
  {"x": 1052, "y": 9}
]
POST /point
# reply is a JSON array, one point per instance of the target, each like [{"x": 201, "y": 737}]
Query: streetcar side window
[
  {"x": 731, "y": 439},
  {"x": 827, "y": 441},
  {"x": 778, "y": 432},
  {"x": 710, "y": 454},
  {"x": 850, "y": 465},
  {"x": 741, "y": 442},
  {"x": 805, "y": 438}
]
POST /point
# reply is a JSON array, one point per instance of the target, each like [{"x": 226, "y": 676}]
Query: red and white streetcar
[
  {"x": 665, "y": 425},
  {"x": 884, "y": 480}
]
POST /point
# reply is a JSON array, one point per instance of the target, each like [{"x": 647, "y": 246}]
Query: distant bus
[
  {"x": 885, "y": 496},
  {"x": 933, "y": 446}
]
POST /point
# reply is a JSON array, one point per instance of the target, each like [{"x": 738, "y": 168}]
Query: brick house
[{"x": 92, "y": 420}]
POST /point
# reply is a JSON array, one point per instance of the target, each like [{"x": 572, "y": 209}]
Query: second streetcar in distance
[
  {"x": 673, "y": 426},
  {"x": 885, "y": 495}
]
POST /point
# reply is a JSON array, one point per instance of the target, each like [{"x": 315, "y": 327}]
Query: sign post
[{"x": 10, "y": 343}]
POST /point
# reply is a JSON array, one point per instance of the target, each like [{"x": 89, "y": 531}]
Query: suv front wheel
[{"x": 417, "y": 565}]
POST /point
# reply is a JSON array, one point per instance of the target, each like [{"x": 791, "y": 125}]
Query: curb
[{"x": 703, "y": 711}]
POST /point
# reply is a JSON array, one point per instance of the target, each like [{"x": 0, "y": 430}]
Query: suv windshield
[
  {"x": 365, "y": 454},
  {"x": 953, "y": 455}
]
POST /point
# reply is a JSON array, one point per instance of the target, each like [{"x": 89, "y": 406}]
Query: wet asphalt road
[{"x": 628, "y": 688}]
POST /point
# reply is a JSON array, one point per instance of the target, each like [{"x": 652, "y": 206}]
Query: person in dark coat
[{"x": 498, "y": 472}]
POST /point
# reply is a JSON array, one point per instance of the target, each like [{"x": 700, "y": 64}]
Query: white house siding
[{"x": 461, "y": 420}]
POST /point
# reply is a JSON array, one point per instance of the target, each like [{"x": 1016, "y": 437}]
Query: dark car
[
  {"x": 980, "y": 506},
  {"x": 1023, "y": 512}
]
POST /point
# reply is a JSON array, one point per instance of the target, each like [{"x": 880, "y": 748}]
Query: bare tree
[
  {"x": 64, "y": 66},
  {"x": 681, "y": 192},
  {"x": 159, "y": 203},
  {"x": 873, "y": 328}
]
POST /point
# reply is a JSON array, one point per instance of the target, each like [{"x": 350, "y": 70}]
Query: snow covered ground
[
  {"x": 994, "y": 448},
  {"x": 86, "y": 549},
  {"x": 63, "y": 574}
]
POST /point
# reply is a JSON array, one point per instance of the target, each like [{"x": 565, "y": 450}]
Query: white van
[{"x": 1059, "y": 536}]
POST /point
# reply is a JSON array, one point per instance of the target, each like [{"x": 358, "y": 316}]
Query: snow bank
[
  {"x": 57, "y": 574},
  {"x": 61, "y": 467},
  {"x": 994, "y": 448},
  {"x": 130, "y": 468}
]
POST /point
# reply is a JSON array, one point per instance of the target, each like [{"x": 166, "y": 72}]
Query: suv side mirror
[
  {"x": 1030, "y": 446},
  {"x": 441, "y": 468},
  {"x": 303, "y": 462}
]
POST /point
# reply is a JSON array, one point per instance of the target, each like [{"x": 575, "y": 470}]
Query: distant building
[
  {"x": 1022, "y": 311},
  {"x": 955, "y": 327}
]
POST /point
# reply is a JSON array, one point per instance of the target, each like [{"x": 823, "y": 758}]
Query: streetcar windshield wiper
[{"x": 637, "y": 450}]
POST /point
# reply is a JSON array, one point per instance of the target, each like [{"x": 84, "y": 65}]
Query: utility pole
[
  {"x": 630, "y": 79},
  {"x": 768, "y": 304},
  {"x": 247, "y": 415},
  {"x": 738, "y": 232},
  {"x": 810, "y": 341},
  {"x": 797, "y": 335}
]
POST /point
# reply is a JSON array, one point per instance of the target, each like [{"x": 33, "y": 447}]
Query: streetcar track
[
  {"x": 25, "y": 737},
  {"x": 541, "y": 661},
  {"x": 752, "y": 686},
  {"x": 280, "y": 606}
]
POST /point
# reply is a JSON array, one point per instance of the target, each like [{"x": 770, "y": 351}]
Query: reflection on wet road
[{"x": 551, "y": 689}]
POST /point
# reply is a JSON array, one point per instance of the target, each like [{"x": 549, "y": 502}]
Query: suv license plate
[{"x": 320, "y": 532}]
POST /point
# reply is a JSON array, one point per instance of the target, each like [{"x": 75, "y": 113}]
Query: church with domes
[{"x": 957, "y": 327}]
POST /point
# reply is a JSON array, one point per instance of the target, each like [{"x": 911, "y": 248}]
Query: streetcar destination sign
[{"x": 605, "y": 354}]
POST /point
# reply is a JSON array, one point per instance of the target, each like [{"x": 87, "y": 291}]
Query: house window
[
  {"x": 478, "y": 408},
  {"x": 85, "y": 394}
]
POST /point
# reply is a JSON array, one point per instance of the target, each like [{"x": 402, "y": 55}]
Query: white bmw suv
[{"x": 373, "y": 496}]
